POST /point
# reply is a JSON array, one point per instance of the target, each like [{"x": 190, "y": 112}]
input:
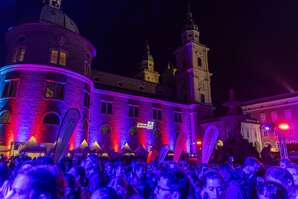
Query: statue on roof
[
  {"x": 53, "y": 3},
  {"x": 52, "y": 13}
]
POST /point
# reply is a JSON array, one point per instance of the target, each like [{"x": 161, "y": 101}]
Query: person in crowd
[
  {"x": 105, "y": 193},
  {"x": 293, "y": 170},
  {"x": 72, "y": 190},
  {"x": 266, "y": 154},
  {"x": 172, "y": 184},
  {"x": 284, "y": 163},
  {"x": 282, "y": 177},
  {"x": 213, "y": 186},
  {"x": 139, "y": 181},
  {"x": 108, "y": 171},
  {"x": 39, "y": 182},
  {"x": 271, "y": 190},
  {"x": 122, "y": 187}
]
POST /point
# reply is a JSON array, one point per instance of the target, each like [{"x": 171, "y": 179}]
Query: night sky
[{"x": 253, "y": 44}]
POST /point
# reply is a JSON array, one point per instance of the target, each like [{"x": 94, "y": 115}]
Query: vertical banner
[
  {"x": 210, "y": 137},
  {"x": 179, "y": 146},
  {"x": 68, "y": 125}
]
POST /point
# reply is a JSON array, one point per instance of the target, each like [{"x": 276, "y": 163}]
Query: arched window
[
  {"x": 5, "y": 117},
  {"x": 51, "y": 118},
  {"x": 133, "y": 131},
  {"x": 157, "y": 133},
  {"x": 105, "y": 129}
]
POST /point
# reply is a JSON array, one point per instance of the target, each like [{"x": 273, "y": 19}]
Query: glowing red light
[
  {"x": 199, "y": 142},
  {"x": 283, "y": 126}
]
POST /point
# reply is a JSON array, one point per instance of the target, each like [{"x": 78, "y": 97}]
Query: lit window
[
  {"x": 19, "y": 55},
  {"x": 157, "y": 114},
  {"x": 10, "y": 88},
  {"x": 51, "y": 118},
  {"x": 58, "y": 57},
  {"x": 54, "y": 90},
  {"x": 105, "y": 129},
  {"x": 133, "y": 111},
  {"x": 62, "y": 58},
  {"x": 177, "y": 117},
  {"x": 54, "y": 56},
  {"x": 5, "y": 117},
  {"x": 106, "y": 108}
]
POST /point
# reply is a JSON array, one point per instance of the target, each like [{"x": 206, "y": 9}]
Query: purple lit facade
[
  {"x": 48, "y": 71},
  {"x": 270, "y": 112}
]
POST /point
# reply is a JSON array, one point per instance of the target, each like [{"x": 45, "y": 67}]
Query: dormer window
[
  {"x": 87, "y": 65},
  {"x": 58, "y": 57},
  {"x": 19, "y": 55}
]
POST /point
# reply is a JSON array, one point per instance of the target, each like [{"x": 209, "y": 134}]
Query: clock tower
[{"x": 192, "y": 76}]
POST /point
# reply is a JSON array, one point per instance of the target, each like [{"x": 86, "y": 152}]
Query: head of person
[
  {"x": 271, "y": 190},
  {"x": 105, "y": 193},
  {"x": 213, "y": 185},
  {"x": 79, "y": 174},
  {"x": 284, "y": 163},
  {"x": 139, "y": 170},
  {"x": 122, "y": 187},
  {"x": 251, "y": 166},
  {"x": 231, "y": 159},
  {"x": 227, "y": 172},
  {"x": 172, "y": 184},
  {"x": 293, "y": 170},
  {"x": 119, "y": 169},
  {"x": 108, "y": 168},
  {"x": 280, "y": 176},
  {"x": 38, "y": 183},
  {"x": 71, "y": 191},
  {"x": 91, "y": 164}
]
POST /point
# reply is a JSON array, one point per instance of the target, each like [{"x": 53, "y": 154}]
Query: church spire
[
  {"x": 54, "y": 3},
  {"x": 147, "y": 48},
  {"x": 148, "y": 61},
  {"x": 148, "y": 72},
  {"x": 190, "y": 30},
  {"x": 190, "y": 24},
  {"x": 52, "y": 13}
]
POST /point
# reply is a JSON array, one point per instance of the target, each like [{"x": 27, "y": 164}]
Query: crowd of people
[{"x": 93, "y": 178}]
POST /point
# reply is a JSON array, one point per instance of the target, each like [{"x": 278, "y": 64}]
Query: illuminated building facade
[
  {"x": 48, "y": 71},
  {"x": 271, "y": 111}
]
